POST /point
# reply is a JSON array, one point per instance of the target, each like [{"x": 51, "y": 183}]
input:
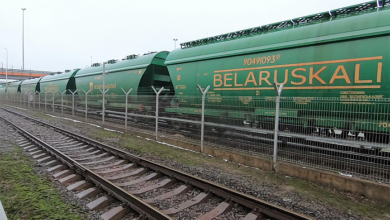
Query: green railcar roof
[
  {"x": 356, "y": 21},
  {"x": 61, "y": 76},
  {"x": 17, "y": 83},
  {"x": 140, "y": 62},
  {"x": 31, "y": 81}
]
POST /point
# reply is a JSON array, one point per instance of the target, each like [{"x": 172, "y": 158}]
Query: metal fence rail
[{"x": 346, "y": 135}]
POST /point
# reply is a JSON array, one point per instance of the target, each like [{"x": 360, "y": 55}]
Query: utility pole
[
  {"x": 91, "y": 61},
  {"x": 175, "y": 42},
  {"x": 23, "y": 9},
  {"x": 6, "y": 70}
]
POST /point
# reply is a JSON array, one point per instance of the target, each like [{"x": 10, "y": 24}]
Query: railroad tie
[
  {"x": 178, "y": 191},
  {"x": 88, "y": 193},
  {"x": 116, "y": 213},
  {"x": 202, "y": 197},
  {"x": 219, "y": 210}
]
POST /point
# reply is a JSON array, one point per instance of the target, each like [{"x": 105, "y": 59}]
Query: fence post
[
  {"x": 39, "y": 100},
  {"x": 35, "y": 93},
  {"x": 203, "y": 111},
  {"x": 157, "y": 95},
  {"x": 72, "y": 100},
  {"x": 278, "y": 93},
  {"x": 103, "y": 91},
  {"x": 45, "y": 100},
  {"x": 53, "y": 100},
  {"x": 127, "y": 94},
  {"x": 28, "y": 99},
  {"x": 86, "y": 101},
  {"x": 62, "y": 102}
]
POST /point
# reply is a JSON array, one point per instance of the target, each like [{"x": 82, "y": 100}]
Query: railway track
[
  {"x": 147, "y": 188},
  {"x": 372, "y": 163}
]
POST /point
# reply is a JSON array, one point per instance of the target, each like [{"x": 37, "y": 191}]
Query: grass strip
[{"x": 26, "y": 195}]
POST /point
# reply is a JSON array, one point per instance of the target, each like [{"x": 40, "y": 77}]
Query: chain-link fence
[{"x": 346, "y": 135}]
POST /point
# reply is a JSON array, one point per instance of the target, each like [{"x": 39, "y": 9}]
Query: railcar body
[
  {"x": 343, "y": 53},
  {"x": 57, "y": 84},
  {"x": 14, "y": 87},
  {"x": 30, "y": 86},
  {"x": 3, "y": 87},
  {"x": 136, "y": 73}
]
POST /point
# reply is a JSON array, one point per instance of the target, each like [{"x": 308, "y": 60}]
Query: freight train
[{"x": 342, "y": 53}]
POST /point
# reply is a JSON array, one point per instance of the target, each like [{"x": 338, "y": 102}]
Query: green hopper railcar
[
  {"x": 14, "y": 87},
  {"x": 57, "y": 84},
  {"x": 136, "y": 73},
  {"x": 342, "y": 53},
  {"x": 30, "y": 86},
  {"x": 3, "y": 87}
]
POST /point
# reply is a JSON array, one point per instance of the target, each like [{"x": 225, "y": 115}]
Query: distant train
[{"x": 342, "y": 53}]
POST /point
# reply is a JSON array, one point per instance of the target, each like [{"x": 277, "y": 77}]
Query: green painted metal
[
  {"x": 349, "y": 11},
  {"x": 138, "y": 73},
  {"x": 30, "y": 86},
  {"x": 314, "y": 70},
  {"x": 252, "y": 74},
  {"x": 2, "y": 88},
  {"x": 58, "y": 82},
  {"x": 271, "y": 112},
  {"x": 14, "y": 87},
  {"x": 343, "y": 56}
]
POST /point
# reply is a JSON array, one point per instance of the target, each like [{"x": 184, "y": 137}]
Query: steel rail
[
  {"x": 248, "y": 201},
  {"x": 313, "y": 155},
  {"x": 333, "y": 141},
  {"x": 295, "y": 144},
  {"x": 128, "y": 199}
]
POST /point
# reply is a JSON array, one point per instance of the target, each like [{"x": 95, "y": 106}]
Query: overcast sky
[{"x": 63, "y": 34}]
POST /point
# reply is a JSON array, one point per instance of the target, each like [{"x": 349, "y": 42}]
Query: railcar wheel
[
  {"x": 208, "y": 128},
  {"x": 135, "y": 118},
  {"x": 220, "y": 130},
  {"x": 150, "y": 120},
  {"x": 176, "y": 125}
]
